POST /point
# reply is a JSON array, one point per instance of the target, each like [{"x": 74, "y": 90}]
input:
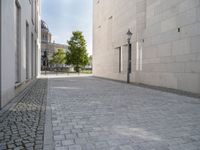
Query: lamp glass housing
[{"x": 129, "y": 35}]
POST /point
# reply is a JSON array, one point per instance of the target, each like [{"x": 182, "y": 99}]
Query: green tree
[
  {"x": 90, "y": 60},
  {"x": 59, "y": 57},
  {"x": 68, "y": 59},
  {"x": 77, "y": 51}
]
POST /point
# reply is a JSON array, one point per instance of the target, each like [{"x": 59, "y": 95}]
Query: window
[
  {"x": 27, "y": 50},
  {"x": 18, "y": 41},
  {"x": 130, "y": 57},
  {"x": 35, "y": 64},
  {"x": 36, "y": 16},
  {"x": 32, "y": 55},
  {"x": 32, "y": 11},
  {"x": 120, "y": 60}
]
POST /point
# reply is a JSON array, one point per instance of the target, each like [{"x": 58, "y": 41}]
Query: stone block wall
[{"x": 165, "y": 43}]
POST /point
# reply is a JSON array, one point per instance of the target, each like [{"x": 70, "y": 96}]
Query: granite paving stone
[
  {"x": 95, "y": 114},
  {"x": 22, "y": 125}
]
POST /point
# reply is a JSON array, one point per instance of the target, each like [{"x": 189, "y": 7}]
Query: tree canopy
[
  {"x": 77, "y": 54},
  {"x": 90, "y": 60},
  {"x": 59, "y": 57}
]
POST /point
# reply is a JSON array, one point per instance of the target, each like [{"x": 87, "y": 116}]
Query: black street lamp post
[
  {"x": 45, "y": 61},
  {"x": 129, "y": 35}
]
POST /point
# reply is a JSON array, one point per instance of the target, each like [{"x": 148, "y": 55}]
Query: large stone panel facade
[
  {"x": 20, "y": 45},
  {"x": 165, "y": 42}
]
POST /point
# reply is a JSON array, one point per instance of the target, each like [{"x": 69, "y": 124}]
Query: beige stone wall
[
  {"x": 45, "y": 36},
  {"x": 161, "y": 55},
  {"x": 111, "y": 22}
]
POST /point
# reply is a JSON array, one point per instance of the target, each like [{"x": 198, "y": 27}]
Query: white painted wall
[
  {"x": 7, "y": 51},
  {"x": 161, "y": 56},
  {"x": 8, "y": 47}
]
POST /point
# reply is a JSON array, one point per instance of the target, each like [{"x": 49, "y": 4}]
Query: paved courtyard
[{"x": 86, "y": 113}]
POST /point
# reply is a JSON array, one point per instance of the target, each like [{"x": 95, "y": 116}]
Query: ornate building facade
[
  {"x": 19, "y": 46},
  {"x": 165, "y": 42},
  {"x": 47, "y": 46}
]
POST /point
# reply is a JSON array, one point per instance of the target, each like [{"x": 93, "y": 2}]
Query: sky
[{"x": 65, "y": 16}]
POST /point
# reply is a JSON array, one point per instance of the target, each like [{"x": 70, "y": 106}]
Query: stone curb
[
  {"x": 162, "y": 89},
  {"x": 48, "y": 135}
]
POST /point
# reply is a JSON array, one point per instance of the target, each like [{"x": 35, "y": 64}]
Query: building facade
[
  {"x": 165, "y": 42},
  {"x": 46, "y": 42},
  {"x": 20, "y": 46}
]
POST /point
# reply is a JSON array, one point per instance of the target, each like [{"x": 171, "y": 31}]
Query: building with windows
[
  {"x": 165, "y": 42},
  {"x": 46, "y": 42},
  {"x": 19, "y": 46}
]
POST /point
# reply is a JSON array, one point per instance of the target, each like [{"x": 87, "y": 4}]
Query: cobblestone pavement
[
  {"x": 95, "y": 114},
  {"x": 22, "y": 126}
]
